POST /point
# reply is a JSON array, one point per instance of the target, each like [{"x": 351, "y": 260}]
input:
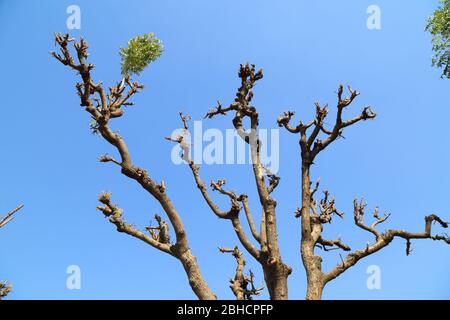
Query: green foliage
[
  {"x": 140, "y": 52},
  {"x": 439, "y": 27}
]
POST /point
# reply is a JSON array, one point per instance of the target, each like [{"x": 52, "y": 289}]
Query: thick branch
[
  {"x": 107, "y": 107},
  {"x": 114, "y": 214},
  {"x": 384, "y": 239}
]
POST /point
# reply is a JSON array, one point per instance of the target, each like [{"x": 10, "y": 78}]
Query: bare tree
[
  {"x": 263, "y": 244},
  {"x": 5, "y": 287},
  {"x": 315, "y": 215}
]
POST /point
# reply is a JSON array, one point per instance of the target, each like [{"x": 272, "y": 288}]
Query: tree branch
[
  {"x": 9, "y": 217},
  {"x": 106, "y": 108},
  {"x": 5, "y": 289},
  {"x": 330, "y": 243},
  {"x": 239, "y": 285},
  {"x": 233, "y": 213},
  {"x": 311, "y": 145},
  {"x": 114, "y": 214},
  {"x": 248, "y": 214},
  {"x": 242, "y": 108},
  {"x": 340, "y": 124},
  {"x": 383, "y": 239}
]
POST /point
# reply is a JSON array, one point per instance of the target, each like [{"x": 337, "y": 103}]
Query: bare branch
[
  {"x": 239, "y": 285},
  {"x": 321, "y": 114},
  {"x": 108, "y": 106},
  {"x": 248, "y": 214},
  {"x": 274, "y": 180},
  {"x": 330, "y": 243},
  {"x": 358, "y": 209},
  {"x": 5, "y": 289},
  {"x": 384, "y": 239},
  {"x": 107, "y": 158},
  {"x": 242, "y": 108},
  {"x": 114, "y": 214},
  {"x": 235, "y": 208},
  {"x": 311, "y": 145},
  {"x": 314, "y": 190},
  {"x": 161, "y": 232},
  {"x": 233, "y": 213},
  {"x": 340, "y": 124},
  {"x": 9, "y": 217},
  {"x": 284, "y": 121},
  {"x": 326, "y": 208}
]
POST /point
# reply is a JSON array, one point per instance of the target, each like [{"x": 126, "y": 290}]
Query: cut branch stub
[{"x": 239, "y": 284}]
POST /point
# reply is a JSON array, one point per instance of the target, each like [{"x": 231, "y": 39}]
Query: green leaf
[
  {"x": 140, "y": 52},
  {"x": 439, "y": 27}
]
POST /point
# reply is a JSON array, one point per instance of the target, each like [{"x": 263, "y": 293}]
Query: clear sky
[{"x": 306, "y": 48}]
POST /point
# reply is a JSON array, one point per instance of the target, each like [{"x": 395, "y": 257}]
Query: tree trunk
[
  {"x": 276, "y": 280},
  {"x": 276, "y": 271},
  {"x": 314, "y": 291},
  {"x": 311, "y": 262},
  {"x": 313, "y": 267}
]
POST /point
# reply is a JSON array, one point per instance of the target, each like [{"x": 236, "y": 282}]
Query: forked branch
[
  {"x": 103, "y": 107},
  {"x": 240, "y": 283},
  {"x": 231, "y": 214},
  {"x": 382, "y": 239},
  {"x": 311, "y": 144}
]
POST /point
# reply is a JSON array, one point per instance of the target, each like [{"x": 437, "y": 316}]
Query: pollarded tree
[
  {"x": 314, "y": 213},
  {"x": 439, "y": 28},
  {"x": 262, "y": 245},
  {"x": 6, "y": 288}
]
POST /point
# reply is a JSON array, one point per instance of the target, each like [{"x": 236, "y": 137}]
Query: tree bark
[
  {"x": 196, "y": 280},
  {"x": 311, "y": 262},
  {"x": 276, "y": 280}
]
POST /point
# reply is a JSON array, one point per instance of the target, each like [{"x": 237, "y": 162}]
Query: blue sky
[{"x": 399, "y": 161}]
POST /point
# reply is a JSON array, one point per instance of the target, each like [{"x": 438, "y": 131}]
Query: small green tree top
[
  {"x": 439, "y": 27},
  {"x": 141, "y": 50}
]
